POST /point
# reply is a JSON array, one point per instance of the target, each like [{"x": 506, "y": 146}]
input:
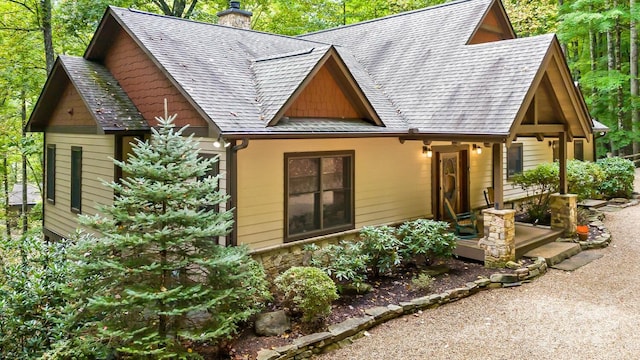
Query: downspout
[{"x": 232, "y": 186}]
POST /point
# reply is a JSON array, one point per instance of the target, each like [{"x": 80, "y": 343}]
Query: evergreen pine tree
[{"x": 159, "y": 280}]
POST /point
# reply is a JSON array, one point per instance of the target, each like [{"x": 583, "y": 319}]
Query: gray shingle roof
[
  {"x": 415, "y": 70},
  {"x": 108, "y": 103},
  {"x": 441, "y": 84},
  {"x": 241, "y": 78},
  {"x": 599, "y": 127}
]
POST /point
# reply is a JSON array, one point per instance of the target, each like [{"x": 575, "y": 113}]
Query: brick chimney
[{"x": 235, "y": 17}]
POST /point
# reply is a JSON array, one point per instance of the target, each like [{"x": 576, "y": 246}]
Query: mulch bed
[{"x": 386, "y": 290}]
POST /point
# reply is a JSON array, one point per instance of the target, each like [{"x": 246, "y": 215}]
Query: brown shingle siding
[{"x": 145, "y": 83}]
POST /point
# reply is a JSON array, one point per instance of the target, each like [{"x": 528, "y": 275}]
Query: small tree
[{"x": 160, "y": 279}]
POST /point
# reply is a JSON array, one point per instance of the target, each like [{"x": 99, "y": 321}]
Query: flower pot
[{"x": 583, "y": 232}]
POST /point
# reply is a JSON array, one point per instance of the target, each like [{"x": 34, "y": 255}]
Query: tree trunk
[
  {"x": 563, "y": 45},
  {"x": 611, "y": 66},
  {"x": 47, "y": 33},
  {"x": 25, "y": 212},
  {"x": 633, "y": 74},
  {"x": 6, "y": 194},
  {"x": 620, "y": 119}
]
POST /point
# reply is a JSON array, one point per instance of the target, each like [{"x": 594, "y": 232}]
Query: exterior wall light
[
  {"x": 220, "y": 142},
  {"x": 477, "y": 149},
  {"x": 426, "y": 151}
]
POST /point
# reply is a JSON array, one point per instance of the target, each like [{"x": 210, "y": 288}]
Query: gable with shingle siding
[{"x": 145, "y": 83}]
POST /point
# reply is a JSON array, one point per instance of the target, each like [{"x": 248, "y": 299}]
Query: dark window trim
[
  {"x": 520, "y": 149},
  {"x": 51, "y": 174},
  {"x": 318, "y": 154},
  {"x": 76, "y": 183},
  {"x": 575, "y": 147}
]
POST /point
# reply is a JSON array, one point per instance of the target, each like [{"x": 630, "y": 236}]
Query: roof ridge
[
  {"x": 142, "y": 12},
  {"x": 405, "y": 13}
]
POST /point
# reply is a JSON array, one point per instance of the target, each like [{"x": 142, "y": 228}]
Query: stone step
[{"x": 554, "y": 252}]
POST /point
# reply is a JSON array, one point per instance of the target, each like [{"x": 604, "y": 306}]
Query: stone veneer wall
[
  {"x": 564, "y": 211},
  {"x": 498, "y": 242},
  {"x": 278, "y": 259},
  {"x": 346, "y": 332}
]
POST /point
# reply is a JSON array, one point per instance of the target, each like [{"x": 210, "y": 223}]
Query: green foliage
[
  {"x": 158, "y": 277},
  {"x": 308, "y": 290},
  {"x": 34, "y": 305},
  {"x": 422, "y": 282},
  {"x": 345, "y": 262},
  {"x": 583, "y": 178},
  {"x": 430, "y": 238},
  {"x": 381, "y": 246},
  {"x": 618, "y": 177},
  {"x": 539, "y": 183}
]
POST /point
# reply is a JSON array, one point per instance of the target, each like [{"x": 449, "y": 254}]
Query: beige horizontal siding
[
  {"x": 96, "y": 166},
  {"x": 392, "y": 183},
  {"x": 206, "y": 147}
]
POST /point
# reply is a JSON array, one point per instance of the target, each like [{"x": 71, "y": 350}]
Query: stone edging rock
[
  {"x": 344, "y": 333},
  {"x": 601, "y": 241}
]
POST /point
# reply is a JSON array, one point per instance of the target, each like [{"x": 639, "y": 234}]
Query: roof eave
[{"x": 45, "y": 99}]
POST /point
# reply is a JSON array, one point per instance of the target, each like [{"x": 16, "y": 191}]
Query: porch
[{"x": 527, "y": 238}]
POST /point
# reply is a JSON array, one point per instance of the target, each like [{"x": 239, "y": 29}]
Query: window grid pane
[{"x": 319, "y": 194}]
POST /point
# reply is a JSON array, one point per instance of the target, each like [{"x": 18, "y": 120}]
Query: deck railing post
[
  {"x": 564, "y": 213},
  {"x": 498, "y": 243}
]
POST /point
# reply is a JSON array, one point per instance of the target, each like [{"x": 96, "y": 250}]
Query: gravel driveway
[{"x": 591, "y": 313}]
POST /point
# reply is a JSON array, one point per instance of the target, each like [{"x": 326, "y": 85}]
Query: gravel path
[{"x": 591, "y": 313}]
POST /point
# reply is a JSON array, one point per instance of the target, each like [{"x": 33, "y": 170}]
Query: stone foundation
[
  {"x": 498, "y": 242},
  {"x": 278, "y": 259},
  {"x": 564, "y": 212}
]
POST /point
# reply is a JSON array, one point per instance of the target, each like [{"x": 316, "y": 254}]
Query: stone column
[
  {"x": 564, "y": 213},
  {"x": 498, "y": 242}
]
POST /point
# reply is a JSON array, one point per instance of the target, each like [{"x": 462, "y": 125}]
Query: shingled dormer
[{"x": 318, "y": 85}]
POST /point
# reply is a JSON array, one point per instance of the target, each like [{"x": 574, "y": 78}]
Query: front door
[{"x": 452, "y": 181}]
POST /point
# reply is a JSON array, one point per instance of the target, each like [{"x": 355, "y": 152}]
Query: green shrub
[
  {"x": 618, "y": 177},
  {"x": 307, "y": 290},
  {"x": 539, "y": 183},
  {"x": 583, "y": 178},
  {"x": 381, "y": 246},
  {"x": 37, "y": 314},
  {"x": 426, "y": 237},
  {"x": 344, "y": 263},
  {"x": 422, "y": 282}
]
